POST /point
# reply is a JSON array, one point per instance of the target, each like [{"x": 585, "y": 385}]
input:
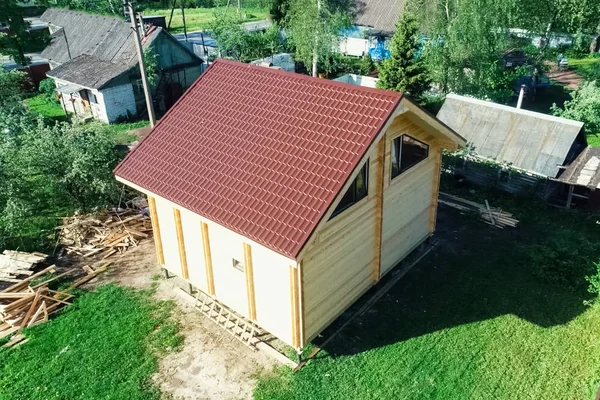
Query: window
[
  {"x": 238, "y": 265},
  {"x": 406, "y": 153},
  {"x": 357, "y": 191}
]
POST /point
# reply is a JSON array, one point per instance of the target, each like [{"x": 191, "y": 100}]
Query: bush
[
  {"x": 584, "y": 106},
  {"x": 47, "y": 87},
  {"x": 367, "y": 65},
  {"x": 594, "y": 280}
]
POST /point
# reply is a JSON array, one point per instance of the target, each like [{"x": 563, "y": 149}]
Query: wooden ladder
[{"x": 234, "y": 323}]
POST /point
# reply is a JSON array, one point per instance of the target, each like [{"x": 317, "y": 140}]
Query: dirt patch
[
  {"x": 571, "y": 79},
  {"x": 211, "y": 364}
]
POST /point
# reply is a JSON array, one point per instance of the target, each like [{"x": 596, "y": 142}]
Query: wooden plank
[
  {"x": 156, "y": 231},
  {"x": 294, "y": 295},
  {"x": 249, "y": 271},
  {"x": 208, "y": 259},
  {"x": 378, "y": 215},
  {"x": 437, "y": 171},
  {"x": 181, "y": 244}
]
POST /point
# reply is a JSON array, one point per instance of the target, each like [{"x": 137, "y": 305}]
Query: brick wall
[{"x": 117, "y": 101}]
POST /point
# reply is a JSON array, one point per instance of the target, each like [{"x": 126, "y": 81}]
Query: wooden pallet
[{"x": 235, "y": 324}]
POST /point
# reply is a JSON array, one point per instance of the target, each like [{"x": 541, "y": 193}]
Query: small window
[
  {"x": 238, "y": 265},
  {"x": 406, "y": 153},
  {"x": 356, "y": 192}
]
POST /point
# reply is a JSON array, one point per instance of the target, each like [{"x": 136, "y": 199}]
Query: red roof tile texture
[{"x": 260, "y": 151}]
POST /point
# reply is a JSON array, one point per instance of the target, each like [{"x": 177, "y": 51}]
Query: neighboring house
[
  {"x": 359, "y": 80},
  {"x": 94, "y": 64},
  {"x": 286, "y": 197},
  {"x": 530, "y": 148},
  {"x": 374, "y": 26},
  {"x": 36, "y": 70},
  {"x": 282, "y": 61}
]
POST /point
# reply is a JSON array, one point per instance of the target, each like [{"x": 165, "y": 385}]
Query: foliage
[
  {"x": 113, "y": 7},
  {"x": 466, "y": 40},
  {"x": 367, "y": 65},
  {"x": 338, "y": 64},
  {"x": 279, "y": 9},
  {"x": 50, "y": 170},
  {"x": 47, "y": 88},
  {"x": 584, "y": 106},
  {"x": 404, "y": 71},
  {"x": 151, "y": 65},
  {"x": 313, "y": 27},
  {"x": 15, "y": 41},
  {"x": 13, "y": 87},
  {"x": 233, "y": 41},
  {"x": 504, "y": 320},
  {"x": 104, "y": 346},
  {"x": 594, "y": 281}
]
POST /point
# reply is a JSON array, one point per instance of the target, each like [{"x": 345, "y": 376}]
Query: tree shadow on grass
[{"x": 474, "y": 274}]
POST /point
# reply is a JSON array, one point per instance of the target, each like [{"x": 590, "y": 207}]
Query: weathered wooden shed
[
  {"x": 287, "y": 197},
  {"x": 524, "y": 149}
]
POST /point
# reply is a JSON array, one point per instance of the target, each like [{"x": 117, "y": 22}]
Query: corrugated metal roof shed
[
  {"x": 531, "y": 141},
  {"x": 584, "y": 170},
  {"x": 381, "y": 15},
  {"x": 260, "y": 151}
]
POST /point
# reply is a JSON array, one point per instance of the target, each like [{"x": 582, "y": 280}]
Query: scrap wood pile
[
  {"x": 24, "y": 304},
  {"x": 17, "y": 263},
  {"x": 492, "y": 216},
  {"x": 107, "y": 233}
]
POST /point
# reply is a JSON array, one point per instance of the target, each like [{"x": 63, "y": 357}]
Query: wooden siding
[
  {"x": 337, "y": 267},
  {"x": 207, "y": 245},
  {"x": 156, "y": 231}
]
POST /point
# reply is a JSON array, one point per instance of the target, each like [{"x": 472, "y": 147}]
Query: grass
[
  {"x": 49, "y": 108},
  {"x": 200, "y": 18},
  {"x": 474, "y": 320},
  {"x": 583, "y": 66},
  {"x": 122, "y": 132},
  {"x": 105, "y": 346}
]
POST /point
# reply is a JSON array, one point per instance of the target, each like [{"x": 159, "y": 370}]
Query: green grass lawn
[
  {"x": 50, "y": 109},
  {"x": 200, "y": 18},
  {"x": 123, "y": 132},
  {"x": 583, "y": 65},
  {"x": 104, "y": 346},
  {"x": 476, "y": 319}
]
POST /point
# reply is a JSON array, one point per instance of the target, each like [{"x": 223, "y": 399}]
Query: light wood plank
[
  {"x": 156, "y": 231},
  {"x": 249, "y": 281},
  {"x": 378, "y": 215},
  {"x": 436, "y": 190},
  {"x": 181, "y": 244},
  {"x": 210, "y": 278},
  {"x": 293, "y": 307}
]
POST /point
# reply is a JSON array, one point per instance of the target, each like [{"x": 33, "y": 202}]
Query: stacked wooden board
[
  {"x": 17, "y": 263},
  {"x": 492, "y": 216},
  {"x": 106, "y": 233},
  {"x": 24, "y": 304}
]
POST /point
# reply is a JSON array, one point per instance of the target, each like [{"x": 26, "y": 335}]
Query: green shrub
[
  {"x": 594, "y": 280},
  {"x": 47, "y": 87}
]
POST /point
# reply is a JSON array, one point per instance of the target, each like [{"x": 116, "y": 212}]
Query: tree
[
  {"x": 13, "y": 87},
  {"x": 404, "y": 71},
  {"x": 367, "y": 65},
  {"x": 314, "y": 27},
  {"x": 584, "y": 106},
  {"x": 15, "y": 41}
]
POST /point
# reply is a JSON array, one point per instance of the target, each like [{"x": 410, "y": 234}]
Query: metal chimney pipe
[{"x": 521, "y": 95}]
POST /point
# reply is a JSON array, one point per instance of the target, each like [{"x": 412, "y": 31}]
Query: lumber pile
[
  {"x": 17, "y": 263},
  {"x": 492, "y": 216},
  {"x": 106, "y": 233},
  {"x": 23, "y": 304}
]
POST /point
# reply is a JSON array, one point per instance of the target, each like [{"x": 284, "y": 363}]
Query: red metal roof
[{"x": 260, "y": 151}]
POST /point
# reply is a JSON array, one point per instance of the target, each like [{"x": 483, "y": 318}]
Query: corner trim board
[
  {"x": 210, "y": 279},
  {"x": 156, "y": 231},
  {"x": 181, "y": 244},
  {"x": 249, "y": 271}
]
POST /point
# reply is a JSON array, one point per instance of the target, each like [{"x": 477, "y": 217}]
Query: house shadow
[{"x": 473, "y": 274}]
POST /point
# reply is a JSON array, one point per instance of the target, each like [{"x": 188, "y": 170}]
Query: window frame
[
  {"x": 238, "y": 265},
  {"x": 354, "y": 187},
  {"x": 400, "y": 138}
]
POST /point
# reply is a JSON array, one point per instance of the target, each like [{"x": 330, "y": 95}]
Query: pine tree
[
  {"x": 367, "y": 65},
  {"x": 404, "y": 71}
]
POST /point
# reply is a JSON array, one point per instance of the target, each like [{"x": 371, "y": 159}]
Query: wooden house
[
  {"x": 94, "y": 65},
  {"x": 286, "y": 197}
]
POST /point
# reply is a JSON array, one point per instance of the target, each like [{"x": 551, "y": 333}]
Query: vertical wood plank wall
[
  {"x": 343, "y": 260},
  {"x": 260, "y": 292}
]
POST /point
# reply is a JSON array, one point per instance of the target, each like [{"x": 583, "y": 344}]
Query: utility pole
[{"x": 140, "y": 53}]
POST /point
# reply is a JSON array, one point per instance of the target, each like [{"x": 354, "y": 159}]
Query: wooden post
[
  {"x": 570, "y": 197},
  {"x": 437, "y": 171},
  {"x": 208, "y": 259},
  {"x": 295, "y": 308},
  {"x": 379, "y": 209},
  {"x": 181, "y": 244},
  {"x": 156, "y": 231},
  {"x": 249, "y": 281}
]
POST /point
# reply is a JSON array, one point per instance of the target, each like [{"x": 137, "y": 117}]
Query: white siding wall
[
  {"x": 116, "y": 102},
  {"x": 354, "y": 46},
  {"x": 271, "y": 270}
]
